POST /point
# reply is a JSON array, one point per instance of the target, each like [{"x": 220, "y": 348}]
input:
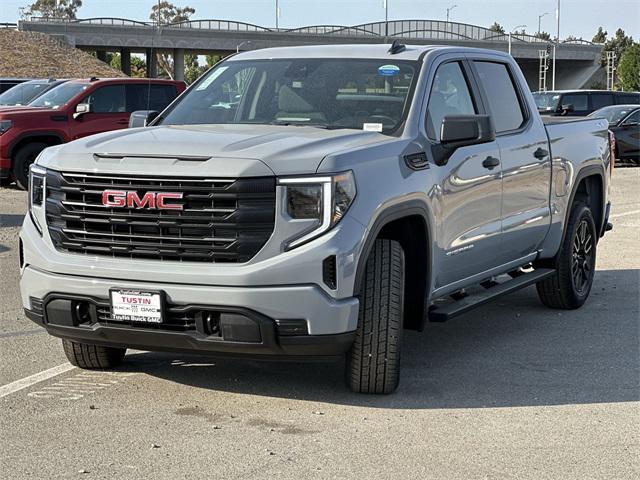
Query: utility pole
[
  {"x": 511, "y": 33},
  {"x": 540, "y": 21},
  {"x": 449, "y": 11},
  {"x": 555, "y": 47}
]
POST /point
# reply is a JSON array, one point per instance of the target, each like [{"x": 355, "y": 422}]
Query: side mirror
[
  {"x": 142, "y": 118},
  {"x": 81, "y": 109},
  {"x": 568, "y": 108},
  {"x": 461, "y": 131}
]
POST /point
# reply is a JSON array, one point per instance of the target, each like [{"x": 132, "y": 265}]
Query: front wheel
[
  {"x": 373, "y": 364},
  {"x": 569, "y": 287},
  {"x": 92, "y": 357},
  {"x": 22, "y": 160}
]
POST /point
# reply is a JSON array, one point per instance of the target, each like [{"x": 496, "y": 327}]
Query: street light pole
[
  {"x": 241, "y": 44},
  {"x": 277, "y": 13},
  {"x": 385, "y": 4},
  {"x": 540, "y": 21},
  {"x": 555, "y": 46},
  {"x": 511, "y": 33},
  {"x": 449, "y": 11}
]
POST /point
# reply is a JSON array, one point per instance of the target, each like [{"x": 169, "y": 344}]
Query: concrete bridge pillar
[
  {"x": 125, "y": 61},
  {"x": 152, "y": 63},
  {"x": 178, "y": 64}
]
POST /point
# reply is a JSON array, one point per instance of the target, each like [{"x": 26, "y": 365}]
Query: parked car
[
  {"x": 8, "y": 82},
  {"x": 74, "y": 109},
  {"x": 25, "y": 92},
  {"x": 624, "y": 122},
  {"x": 350, "y": 192},
  {"x": 580, "y": 103}
]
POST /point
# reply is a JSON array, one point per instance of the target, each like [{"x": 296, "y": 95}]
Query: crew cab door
[
  {"x": 108, "y": 112},
  {"x": 466, "y": 191},
  {"x": 524, "y": 153}
]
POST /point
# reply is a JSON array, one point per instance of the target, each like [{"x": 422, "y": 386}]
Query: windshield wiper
[{"x": 293, "y": 123}]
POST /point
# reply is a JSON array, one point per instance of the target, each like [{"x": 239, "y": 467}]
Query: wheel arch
[
  {"x": 409, "y": 224},
  {"x": 50, "y": 138}
]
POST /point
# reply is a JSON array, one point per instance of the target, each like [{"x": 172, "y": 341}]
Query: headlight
[
  {"x": 5, "y": 125},
  {"x": 318, "y": 203},
  {"x": 37, "y": 181}
]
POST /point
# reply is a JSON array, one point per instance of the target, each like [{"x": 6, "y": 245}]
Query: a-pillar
[
  {"x": 125, "y": 61},
  {"x": 178, "y": 64}
]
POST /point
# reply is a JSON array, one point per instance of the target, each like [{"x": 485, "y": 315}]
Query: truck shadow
[
  {"x": 514, "y": 352},
  {"x": 8, "y": 220}
]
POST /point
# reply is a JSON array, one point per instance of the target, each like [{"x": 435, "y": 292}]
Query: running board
[{"x": 447, "y": 312}]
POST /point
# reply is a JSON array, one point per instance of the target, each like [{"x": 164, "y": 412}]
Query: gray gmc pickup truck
[{"x": 314, "y": 202}]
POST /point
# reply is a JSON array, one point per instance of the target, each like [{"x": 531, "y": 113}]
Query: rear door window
[
  {"x": 149, "y": 97},
  {"x": 599, "y": 100},
  {"x": 504, "y": 103},
  {"x": 580, "y": 101},
  {"x": 628, "y": 98},
  {"x": 450, "y": 95}
]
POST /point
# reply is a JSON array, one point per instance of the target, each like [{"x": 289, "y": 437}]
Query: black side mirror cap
[
  {"x": 460, "y": 131},
  {"x": 142, "y": 118},
  {"x": 567, "y": 108}
]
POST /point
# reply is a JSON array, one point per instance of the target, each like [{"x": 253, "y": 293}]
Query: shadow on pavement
[
  {"x": 515, "y": 352},
  {"x": 8, "y": 220}
]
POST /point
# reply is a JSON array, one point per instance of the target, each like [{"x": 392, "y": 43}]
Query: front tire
[
  {"x": 569, "y": 287},
  {"x": 92, "y": 357},
  {"x": 373, "y": 363},
  {"x": 22, "y": 160}
]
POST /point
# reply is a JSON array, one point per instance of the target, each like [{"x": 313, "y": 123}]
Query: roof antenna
[{"x": 397, "y": 47}]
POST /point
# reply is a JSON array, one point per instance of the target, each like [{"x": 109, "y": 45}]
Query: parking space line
[
  {"x": 624, "y": 214},
  {"x": 22, "y": 333},
  {"x": 26, "y": 382}
]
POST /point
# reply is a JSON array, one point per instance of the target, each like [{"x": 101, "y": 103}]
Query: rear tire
[
  {"x": 92, "y": 357},
  {"x": 373, "y": 363},
  {"x": 23, "y": 159},
  {"x": 569, "y": 287}
]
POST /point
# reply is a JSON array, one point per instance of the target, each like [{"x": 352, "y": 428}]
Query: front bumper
[{"x": 48, "y": 300}]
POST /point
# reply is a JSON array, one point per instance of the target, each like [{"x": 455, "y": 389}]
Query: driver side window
[
  {"x": 108, "y": 99},
  {"x": 449, "y": 95}
]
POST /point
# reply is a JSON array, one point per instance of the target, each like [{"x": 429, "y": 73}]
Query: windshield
[
  {"x": 330, "y": 93},
  {"x": 613, "y": 114},
  {"x": 22, "y": 94},
  {"x": 58, "y": 96},
  {"x": 546, "y": 101}
]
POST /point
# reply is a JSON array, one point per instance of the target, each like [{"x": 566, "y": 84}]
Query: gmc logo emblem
[{"x": 131, "y": 199}]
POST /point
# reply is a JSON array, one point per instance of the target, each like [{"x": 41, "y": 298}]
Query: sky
[{"x": 580, "y": 18}]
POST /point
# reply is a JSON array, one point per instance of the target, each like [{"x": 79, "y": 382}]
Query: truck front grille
[{"x": 222, "y": 220}]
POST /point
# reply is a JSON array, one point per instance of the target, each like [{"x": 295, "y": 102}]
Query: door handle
[
  {"x": 490, "y": 162},
  {"x": 540, "y": 153}
]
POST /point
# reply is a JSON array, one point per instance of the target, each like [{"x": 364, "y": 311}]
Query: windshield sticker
[
  {"x": 209, "y": 80},
  {"x": 372, "y": 127},
  {"x": 388, "y": 70}
]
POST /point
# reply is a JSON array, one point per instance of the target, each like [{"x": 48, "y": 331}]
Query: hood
[
  {"x": 15, "y": 110},
  {"x": 217, "y": 149}
]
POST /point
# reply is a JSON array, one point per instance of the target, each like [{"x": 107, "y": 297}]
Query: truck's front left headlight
[
  {"x": 37, "y": 185},
  {"x": 317, "y": 203}
]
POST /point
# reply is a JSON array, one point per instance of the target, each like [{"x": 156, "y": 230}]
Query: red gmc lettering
[
  {"x": 131, "y": 199},
  {"x": 114, "y": 198},
  {"x": 161, "y": 197},
  {"x": 134, "y": 201}
]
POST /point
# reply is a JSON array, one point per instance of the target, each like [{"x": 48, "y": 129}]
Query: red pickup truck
[{"x": 75, "y": 109}]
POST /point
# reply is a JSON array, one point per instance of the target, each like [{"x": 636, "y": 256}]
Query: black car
[
  {"x": 25, "y": 92},
  {"x": 624, "y": 122},
  {"x": 7, "y": 83},
  {"x": 580, "y": 103}
]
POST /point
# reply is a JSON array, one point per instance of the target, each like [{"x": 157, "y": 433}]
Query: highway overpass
[{"x": 577, "y": 61}]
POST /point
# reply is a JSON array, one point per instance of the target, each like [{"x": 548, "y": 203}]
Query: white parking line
[
  {"x": 26, "y": 382},
  {"x": 624, "y": 214}
]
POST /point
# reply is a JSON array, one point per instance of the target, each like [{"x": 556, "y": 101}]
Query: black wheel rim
[{"x": 582, "y": 257}]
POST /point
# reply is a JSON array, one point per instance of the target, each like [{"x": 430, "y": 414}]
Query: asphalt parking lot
[{"x": 512, "y": 390}]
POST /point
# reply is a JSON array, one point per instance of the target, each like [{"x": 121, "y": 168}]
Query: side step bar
[{"x": 447, "y": 312}]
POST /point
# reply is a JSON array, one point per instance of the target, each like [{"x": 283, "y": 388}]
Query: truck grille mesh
[{"x": 223, "y": 220}]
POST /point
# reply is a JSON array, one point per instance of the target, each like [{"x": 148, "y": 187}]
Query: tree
[
  {"x": 543, "y": 36},
  {"x": 65, "y": 9},
  {"x": 617, "y": 44},
  {"x": 166, "y": 12},
  {"x": 138, "y": 66},
  {"x": 600, "y": 36},
  {"x": 629, "y": 68},
  {"x": 192, "y": 68},
  {"x": 496, "y": 27}
]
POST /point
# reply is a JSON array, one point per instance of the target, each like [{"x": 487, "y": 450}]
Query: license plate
[{"x": 136, "y": 306}]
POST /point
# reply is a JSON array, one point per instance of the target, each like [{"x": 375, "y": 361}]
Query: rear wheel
[
  {"x": 569, "y": 287},
  {"x": 23, "y": 159},
  {"x": 92, "y": 357},
  {"x": 373, "y": 364}
]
